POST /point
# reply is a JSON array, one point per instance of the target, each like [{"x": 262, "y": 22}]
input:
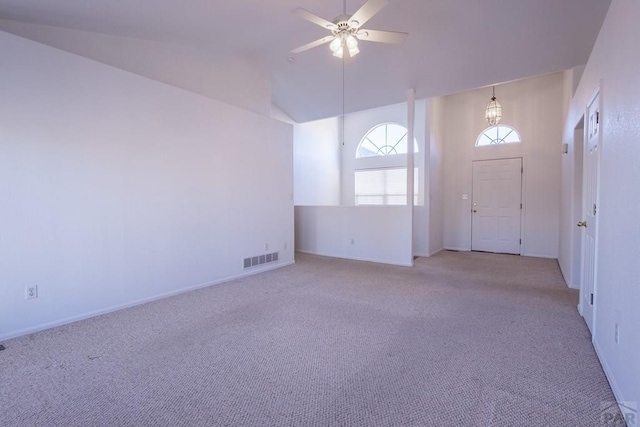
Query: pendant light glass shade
[{"x": 493, "y": 113}]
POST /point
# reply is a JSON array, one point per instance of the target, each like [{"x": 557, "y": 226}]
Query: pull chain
[
  {"x": 344, "y": 12},
  {"x": 343, "y": 118}
]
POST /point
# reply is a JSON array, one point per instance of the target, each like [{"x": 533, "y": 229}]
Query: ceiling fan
[{"x": 346, "y": 30}]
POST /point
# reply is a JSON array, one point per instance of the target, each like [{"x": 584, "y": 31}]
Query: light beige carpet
[{"x": 461, "y": 339}]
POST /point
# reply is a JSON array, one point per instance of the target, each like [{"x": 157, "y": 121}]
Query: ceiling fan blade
[
  {"x": 379, "y": 36},
  {"x": 366, "y": 12},
  {"x": 313, "y": 44},
  {"x": 305, "y": 14}
]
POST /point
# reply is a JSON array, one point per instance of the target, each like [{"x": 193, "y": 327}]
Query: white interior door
[
  {"x": 496, "y": 206},
  {"x": 589, "y": 212}
]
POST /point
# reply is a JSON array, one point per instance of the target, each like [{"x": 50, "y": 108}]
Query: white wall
[
  {"x": 323, "y": 164},
  {"x": 316, "y": 165},
  {"x": 368, "y": 233},
  {"x": 566, "y": 190},
  {"x": 436, "y": 176},
  {"x": 118, "y": 189},
  {"x": 570, "y": 238},
  {"x": 243, "y": 80},
  {"x": 356, "y": 127},
  {"x": 534, "y": 107},
  {"x": 615, "y": 63},
  {"x": 421, "y": 209}
]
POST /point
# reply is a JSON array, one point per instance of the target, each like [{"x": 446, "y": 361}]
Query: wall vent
[{"x": 259, "y": 260}]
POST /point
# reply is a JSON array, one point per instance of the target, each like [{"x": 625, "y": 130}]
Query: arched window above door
[{"x": 498, "y": 134}]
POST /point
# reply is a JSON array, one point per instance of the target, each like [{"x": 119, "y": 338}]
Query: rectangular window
[{"x": 384, "y": 186}]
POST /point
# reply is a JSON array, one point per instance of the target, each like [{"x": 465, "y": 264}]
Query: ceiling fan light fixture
[
  {"x": 336, "y": 44},
  {"x": 354, "y": 52},
  {"x": 352, "y": 42},
  {"x": 346, "y": 29}
]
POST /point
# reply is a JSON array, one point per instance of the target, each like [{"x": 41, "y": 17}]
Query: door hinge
[
  {"x": 521, "y": 170},
  {"x": 520, "y": 241},
  {"x": 520, "y": 205},
  {"x": 591, "y": 301},
  {"x": 597, "y": 117},
  {"x": 595, "y": 209}
]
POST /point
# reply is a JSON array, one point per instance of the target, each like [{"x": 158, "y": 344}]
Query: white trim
[
  {"x": 377, "y": 261},
  {"x": 437, "y": 251},
  {"x": 597, "y": 94},
  {"x": 455, "y": 249},
  {"x": 615, "y": 388},
  {"x": 534, "y": 255},
  {"x": 72, "y": 319},
  {"x": 564, "y": 276}
]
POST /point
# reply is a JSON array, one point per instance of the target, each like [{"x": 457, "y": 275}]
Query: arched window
[
  {"x": 498, "y": 134},
  {"x": 383, "y": 181},
  {"x": 384, "y": 140}
]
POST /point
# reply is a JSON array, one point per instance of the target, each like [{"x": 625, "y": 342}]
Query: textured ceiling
[{"x": 453, "y": 45}]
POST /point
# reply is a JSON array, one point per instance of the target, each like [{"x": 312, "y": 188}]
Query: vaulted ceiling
[{"x": 453, "y": 45}]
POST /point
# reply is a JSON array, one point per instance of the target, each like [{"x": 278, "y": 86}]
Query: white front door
[
  {"x": 589, "y": 212},
  {"x": 496, "y": 206}
]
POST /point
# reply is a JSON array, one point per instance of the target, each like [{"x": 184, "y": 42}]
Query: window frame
[
  {"x": 492, "y": 142},
  {"x": 385, "y": 196},
  {"x": 388, "y": 155}
]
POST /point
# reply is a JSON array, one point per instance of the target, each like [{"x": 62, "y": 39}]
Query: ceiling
[{"x": 453, "y": 45}]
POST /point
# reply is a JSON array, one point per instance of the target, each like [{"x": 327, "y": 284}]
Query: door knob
[{"x": 582, "y": 224}]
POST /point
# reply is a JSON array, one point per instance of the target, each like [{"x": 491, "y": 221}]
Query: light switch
[{"x": 465, "y": 197}]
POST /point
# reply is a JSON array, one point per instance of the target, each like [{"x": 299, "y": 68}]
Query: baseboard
[
  {"x": 302, "y": 251},
  {"x": 425, "y": 255},
  {"x": 437, "y": 251},
  {"x": 533, "y": 255},
  {"x": 65, "y": 321},
  {"x": 564, "y": 276},
  {"x": 610, "y": 377},
  {"x": 453, "y": 248}
]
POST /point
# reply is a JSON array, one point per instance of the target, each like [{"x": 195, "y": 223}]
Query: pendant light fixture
[{"x": 493, "y": 113}]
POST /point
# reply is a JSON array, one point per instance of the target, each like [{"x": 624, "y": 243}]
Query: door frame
[
  {"x": 597, "y": 93},
  {"x": 577, "y": 205},
  {"x": 522, "y": 197}
]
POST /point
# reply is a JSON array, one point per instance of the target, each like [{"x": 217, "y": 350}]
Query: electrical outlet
[
  {"x": 31, "y": 292},
  {"x": 616, "y": 334},
  {"x": 266, "y": 247}
]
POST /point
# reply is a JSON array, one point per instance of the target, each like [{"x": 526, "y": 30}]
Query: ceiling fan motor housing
[{"x": 343, "y": 27}]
